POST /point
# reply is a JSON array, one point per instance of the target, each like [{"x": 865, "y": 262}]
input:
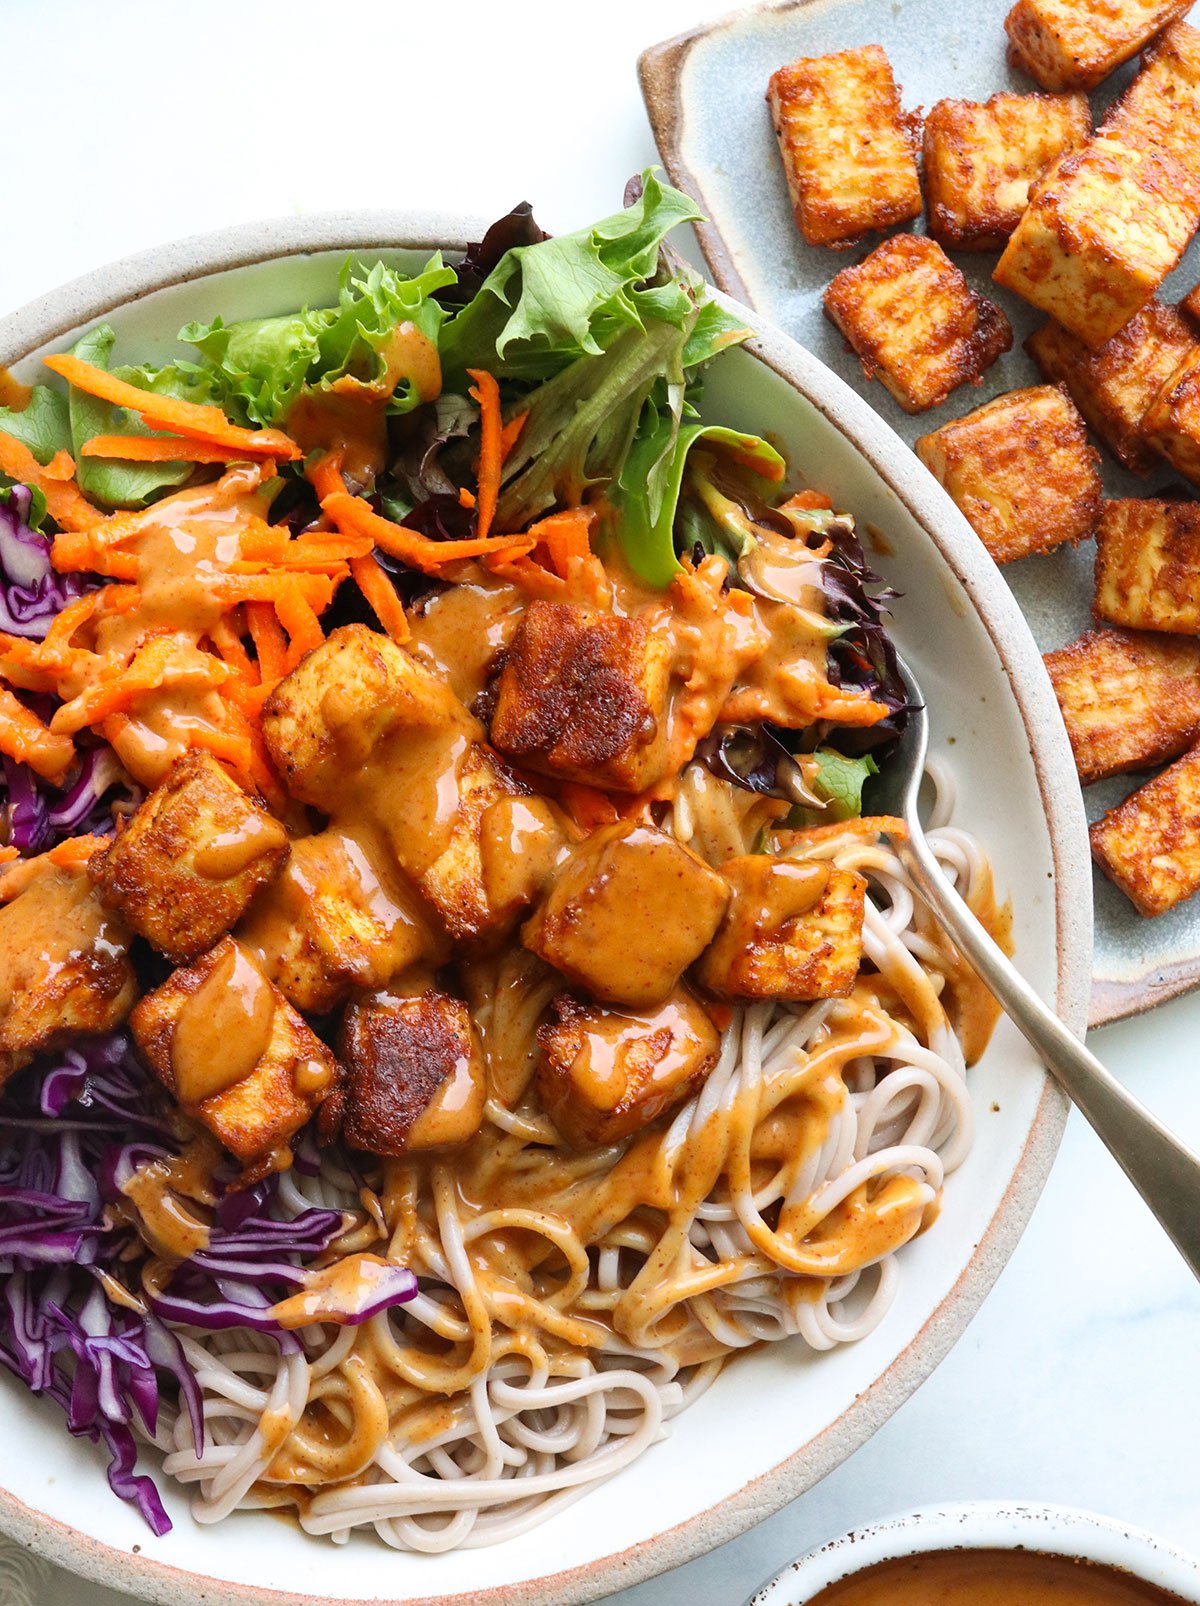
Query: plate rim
[
  {"x": 128, "y": 279},
  {"x": 660, "y": 75}
]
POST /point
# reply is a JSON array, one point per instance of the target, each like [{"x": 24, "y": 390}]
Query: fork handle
[{"x": 1163, "y": 1169}]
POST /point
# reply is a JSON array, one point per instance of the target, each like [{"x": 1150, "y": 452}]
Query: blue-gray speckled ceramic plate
[{"x": 705, "y": 95}]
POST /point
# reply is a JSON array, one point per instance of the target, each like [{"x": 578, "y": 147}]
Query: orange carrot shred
[
  {"x": 229, "y": 647},
  {"x": 156, "y": 449},
  {"x": 808, "y": 500},
  {"x": 491, "y": 449},
  {"x": 25, "y": 738},
  {"x": 300, "y": 622},
  {"x": 466, "y": 498},
  {"x": 60, "y": 467},
  {"x": 352, "y": 514},
  {"x": 325, "y": 475},
  {"x": 511, "y": 434},
  {"x": 8, "y": 854},
  {"x": 381, "y": 598},
  {"x": 65, "y": 502},
  {"x": 185, "y": 418},
  {"x": 268, "y": 640},
  {"x": 76, "y": 850},
  {"x": 586, "y": 806}
]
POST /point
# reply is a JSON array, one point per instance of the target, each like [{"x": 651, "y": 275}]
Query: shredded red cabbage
[{"x": 31, "y": 592}]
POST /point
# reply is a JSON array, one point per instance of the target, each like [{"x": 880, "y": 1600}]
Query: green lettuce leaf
[
  {"x": 839, "y": 781},
  {"x": 257, "y": 368},
  {"x": 110, "y": 482},
  {"x": 546, "y": 305},
  {"x": 43, "y": 425}
]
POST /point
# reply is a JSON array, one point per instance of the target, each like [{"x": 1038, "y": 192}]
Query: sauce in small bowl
[{"x": 991, "y": 1578}]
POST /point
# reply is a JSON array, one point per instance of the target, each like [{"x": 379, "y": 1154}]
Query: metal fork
[{"x": 1163, "y": 1169}]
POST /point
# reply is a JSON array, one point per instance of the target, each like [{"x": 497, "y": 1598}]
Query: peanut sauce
[
  {"x": 13, "y": 394},
  {"x": 460, "y": 632},
  {"x": 991, "y": 1578},
  {"x": 223, "y": 1028}
]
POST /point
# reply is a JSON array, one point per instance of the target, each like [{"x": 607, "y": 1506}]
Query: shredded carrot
[
  {"x": 300, "y": 622},
  {"x": 229, "y": 647},
  {"x": 25, "y": 738},
  {"x": 588, "y": 808},
  {"x": 511, "y": 434},
  {"x": 231, "y": 746},
  {"x": 466, "y": 498},
  {"x": 60, "y": 467},
  {"x": 169, "y": 412},
  {"x": 491, "y": 447},
  {"x": 57, "y": 641},
  {"x": 156, "y": 449},
  {"x": 381, "y": 598},
  {"x": 565, "y": 536},
  {"x": 120, "y": 598},
  {"x": 65, "y": 502},
  {"x": 76, "y": 850},
  {"x": 804, "y": 500},
  {"x": 148, "y": 670},
  {"x": 269, "y": 642},
  {"x": 8, "y": 854},
  {"x": 316, "y": 589},
  {"x": 325, "y": 475},
  {"x": 352, "y": 514}
]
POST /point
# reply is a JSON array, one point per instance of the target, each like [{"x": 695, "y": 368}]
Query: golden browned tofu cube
[
  {"x": 1114, "y": 385},
  {"x": 1101, "y": 232},
  {"x": 1073, "y": 44},
  {"x": 414, "y": 1074},
  {"x": 64, "y": 966},
  {"x": 336, "y": 919},
  {"x": 455, "y": 883},
  {"x": 1160, "y": 108},
  {"x": 324, "y": 721},
  {"x": 914, "y": 321},
  {"x": 1129, "y": 699},
  {"x": 235, "y": 1054},
  {"x": 1150, "y": 844},
  {"x": 1190, "y": 306},
  {"x": 1021, "y": 470},
  {"x": 189, "y": 860},
  {"x": 605, "y": 1073},
  {"x": 1148, "y": 565},
  {"x": 583, "y": 696},
  {"x": 628, "y": 913},
  {"x": 981, "y": 160},
  {"x": 847, "y": 147},
  {"x": 793, "y": 930},
  {"x": 1172, "y": 422}
]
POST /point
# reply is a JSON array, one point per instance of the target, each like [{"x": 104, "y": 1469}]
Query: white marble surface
[{"x": 1079, "y": 1382}]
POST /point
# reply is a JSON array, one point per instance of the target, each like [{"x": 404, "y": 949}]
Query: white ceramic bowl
[
  {"x": 987, "y": 1525},
  {"x": 780, "y": 1419}
]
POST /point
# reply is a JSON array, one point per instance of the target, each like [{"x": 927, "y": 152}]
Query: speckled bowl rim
[{"x": 93, "y": 295}]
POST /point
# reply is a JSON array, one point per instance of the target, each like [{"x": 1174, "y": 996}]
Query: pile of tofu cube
[{"x": 1088, "y": 223}]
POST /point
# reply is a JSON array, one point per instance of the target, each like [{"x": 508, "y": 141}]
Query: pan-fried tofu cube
[
  {"x": 1066, "y": 44},
  {"x": 628, "y": 913},
  {"x": 1160, "y": 108},
  {"x": 327, "y": 717},
  {"x": 606, "y": 1073},
  {"x": 1172, "y": 422},
  {"x": 455, "y": 883},
  {"x": 1129, "y": 699},
  {"x": 793, "y": 930},
  {"x": 414, "y": 1074},
  {"x": 1190, "y": 306},
  {"x": 1148, "y": 565},
  {"x": 1021, "y": 470},
  {"x": 1114, "y": 385},
  {"x": 915, "y": 322},
  {"x": 847, "y": 147},
  {"x": 1150, "y": 844},
  {"x": 64, "y": 966},
  {"x": 337, "y": 919},
  {"x": 981, "y": 160},
  {"x": 235, "y": 1054},
  {"x": 190, "y": 859},
  {"x": 1102, "y": 231},
  {"x": 584, "y": 696}
]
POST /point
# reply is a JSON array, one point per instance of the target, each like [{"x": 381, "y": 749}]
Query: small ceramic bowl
[{"x": 987, "y": 1525}]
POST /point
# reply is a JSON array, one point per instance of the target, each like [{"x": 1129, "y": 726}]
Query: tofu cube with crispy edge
[
  {"x": 1074, "y": 44},
  {"x": 584, "y": 696},
  {"x": 1101, "y": 232},
  {"x": 1148, "y": 565},
  {"x": 1172, "y": 422},
  {"x": 1021, "y": 470},
  {"x": 848, "y": 149},
  {"x": 1129, "y": 699},
  {"x": 456, "y": 883},
  {"x": 793, "y": 930},
  {"x": 189, "y": 860},
  {"x": 324, "y": 719},
  {"x": 1114, "y": 385},
  {"x": 1190, "y": 307},
  {"x": 1161, "y": 108},
  {"x": 627, "y": 914},
  {"x": 981, "y": 160},
  {"x": 64, "y": 966},
  {"x": 230, "y": 1048},
  {"x": 1150, "y": 844},
  {"x": 604, "y": 1073},
  {"x": 914, "y": 321},
  {"x": 335, "y": 919},
  {"x": 414, "y": 1074}
]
